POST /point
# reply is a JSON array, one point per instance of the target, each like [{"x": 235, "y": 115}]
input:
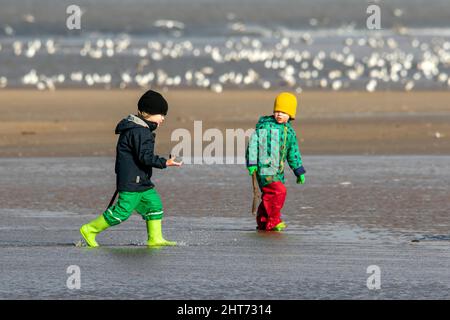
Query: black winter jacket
[{"x": 135, "y": 156}]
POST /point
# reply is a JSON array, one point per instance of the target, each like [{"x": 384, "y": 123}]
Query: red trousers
[{"x": 269, "y": 211}]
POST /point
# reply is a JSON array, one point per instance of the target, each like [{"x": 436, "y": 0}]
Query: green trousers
[{"x": 147, "y": 203}]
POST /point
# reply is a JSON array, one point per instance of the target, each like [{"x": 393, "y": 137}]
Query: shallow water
[
  {"x": 249, "y": 36},
  {"x": 352, "y": 213},
  {"x": 138, "y": 16}
]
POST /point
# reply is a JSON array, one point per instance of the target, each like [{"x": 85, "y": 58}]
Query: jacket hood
[
  {"x": 132, "y": 121},
  {"x": 264, "y": 120}
]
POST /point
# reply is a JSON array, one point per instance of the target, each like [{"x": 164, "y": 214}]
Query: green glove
[
  {"x": 252, "y": 169},
  {"x": 301, "y": 179}
]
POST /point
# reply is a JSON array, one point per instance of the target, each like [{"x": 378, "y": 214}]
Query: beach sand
[{"x": 82, "y": 122}]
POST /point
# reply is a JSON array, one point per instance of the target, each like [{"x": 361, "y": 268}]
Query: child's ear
[{"x": 143, "y": 114}]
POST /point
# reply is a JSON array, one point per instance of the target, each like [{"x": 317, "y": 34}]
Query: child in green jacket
[
  {"x": 135, "y": 159},
  {"x": 274, "y": 142}
]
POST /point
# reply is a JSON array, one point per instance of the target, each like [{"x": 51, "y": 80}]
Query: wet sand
[
  {"x": 82, "y": 122},
  {"x": 354, "y": 211},
  {"x": 376, "y": 194}
]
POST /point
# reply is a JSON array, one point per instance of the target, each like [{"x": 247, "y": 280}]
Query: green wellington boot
[
  {"x": 90, "y": 230},
  {"x": 280, "y": 227},
  {"x": 155, "y": 237}
]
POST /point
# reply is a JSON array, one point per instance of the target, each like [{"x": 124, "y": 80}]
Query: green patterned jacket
[{"x": 269, "y": 147}]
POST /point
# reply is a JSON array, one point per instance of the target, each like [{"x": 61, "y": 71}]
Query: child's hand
[
  {"x": 301, "y": 179},
  {"x": 252, "y": 169},
  {"x": 172, "y": 163}
]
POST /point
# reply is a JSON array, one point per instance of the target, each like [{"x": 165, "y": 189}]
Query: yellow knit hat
[{"x": 287, "y": 103}]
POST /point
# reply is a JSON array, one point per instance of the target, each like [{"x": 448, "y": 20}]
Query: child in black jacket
[{"x": 135, "y": 159}]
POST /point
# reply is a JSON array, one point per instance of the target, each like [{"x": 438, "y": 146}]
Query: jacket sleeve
[
  {"x": 251, "y": 154},
  {"x": 144, "y": 144},
  {"x": 294, "y": 158}
]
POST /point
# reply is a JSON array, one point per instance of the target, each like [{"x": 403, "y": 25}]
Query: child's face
[
  {"x": 281, "y": 117},
  {"x": 157, "y": 118}
]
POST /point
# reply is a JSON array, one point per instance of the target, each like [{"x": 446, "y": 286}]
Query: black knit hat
[{"x": 153, "y": 103}]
